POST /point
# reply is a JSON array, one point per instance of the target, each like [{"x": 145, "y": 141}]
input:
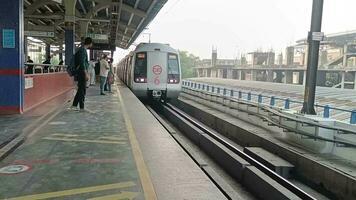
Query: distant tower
[
  {"x": 290, "y": 55},
  {"x": 214, "y": 57},
  {"x": 280, "y": 59}
]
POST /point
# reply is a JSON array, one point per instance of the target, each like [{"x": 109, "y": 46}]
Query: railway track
[{"x": 252, "y": 174}]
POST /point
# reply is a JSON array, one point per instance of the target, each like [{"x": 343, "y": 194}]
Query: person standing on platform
[
  {"x": 110, "y": 79},
  {"x": 29, "y": 67},
  {"x": 104, "y": 71},
  {"x": 81, "y": 62},
  {"x": 91, "y": 71},
  {"x": 47, "y": 62}
]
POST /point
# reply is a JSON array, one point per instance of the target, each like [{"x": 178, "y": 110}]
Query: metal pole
[{"x": 314, "y": 38}]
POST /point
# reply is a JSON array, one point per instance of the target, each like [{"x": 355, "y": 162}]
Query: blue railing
[{"x": 273, "y": 101}]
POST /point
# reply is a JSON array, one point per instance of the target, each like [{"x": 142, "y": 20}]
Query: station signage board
[
  {"x": 39, "y": 34},
  {"x": 8, "y": 38},
  {"x": 101, "y": 38}
]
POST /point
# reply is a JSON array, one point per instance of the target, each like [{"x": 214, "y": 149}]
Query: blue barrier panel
[
  {"x": 353, "y": 117},
  {"x": 326, "y": 111},
  {"x": 249, "y": 96},
  {"x": 273, "y": 101},
  {"x": 260, "y": 98},
  {"x": 287, "y": 104}
]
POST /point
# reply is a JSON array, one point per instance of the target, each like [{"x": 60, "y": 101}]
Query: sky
[{"x": 241, "y": 26}]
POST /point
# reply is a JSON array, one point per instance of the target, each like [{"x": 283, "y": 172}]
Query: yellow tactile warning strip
[
  {"x": 78, "y": 191},
  {"x": 146, "y": 182}
]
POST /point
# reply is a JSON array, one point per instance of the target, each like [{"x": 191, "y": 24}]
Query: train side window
[
  {"x": 140, "y": 69},
  {"x": 173, "y": 64}
]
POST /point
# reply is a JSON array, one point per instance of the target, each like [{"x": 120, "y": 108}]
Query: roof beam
[
  {"x": 137, "y": 12},
  {"x": 132, "y": 15},
  {"x": 82, "y": 6},
  {"x": 54, "y": 16}
]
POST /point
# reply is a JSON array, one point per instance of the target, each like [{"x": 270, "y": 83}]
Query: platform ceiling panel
[{"x": 128, "y": 18}]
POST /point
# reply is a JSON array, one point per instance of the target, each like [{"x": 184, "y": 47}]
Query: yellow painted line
[
  {"x": 119, "y": 196},
  {"x": 112, "y": 138},
  {"x": 82, "y": 140},
  {"x": 145, "y": 178},
  {"x": 76, "y": 191},
  {"x": 64, "y": 135}
]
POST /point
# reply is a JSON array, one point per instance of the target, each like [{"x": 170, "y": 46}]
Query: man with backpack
[{"x": 81, "y": 66}]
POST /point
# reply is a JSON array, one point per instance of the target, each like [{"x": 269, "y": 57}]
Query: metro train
[{"x": 152, "y": 71}]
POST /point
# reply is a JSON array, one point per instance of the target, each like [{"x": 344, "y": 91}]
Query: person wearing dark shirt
[
  {"x": 29, "y": 67},
  {"x": 47, "y": 62},
  {"x": 81, "y": 61}
]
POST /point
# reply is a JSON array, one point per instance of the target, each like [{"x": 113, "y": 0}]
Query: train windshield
[
  {"x": 140, "y": 71},
  {"x": 173, "y": 64}
]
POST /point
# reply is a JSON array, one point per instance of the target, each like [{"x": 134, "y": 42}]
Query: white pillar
[
  {"x": 343, "y": 80},
  {"x": 355, "y": 81}
]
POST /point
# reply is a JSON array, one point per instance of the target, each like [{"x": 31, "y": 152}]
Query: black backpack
[{"x": 72, "y": 69}]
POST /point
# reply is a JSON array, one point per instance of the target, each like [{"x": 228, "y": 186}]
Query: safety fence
[{"x": 273, "y": 101}]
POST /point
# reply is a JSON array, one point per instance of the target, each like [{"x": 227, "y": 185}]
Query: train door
[{"x": 157, "y": 72}]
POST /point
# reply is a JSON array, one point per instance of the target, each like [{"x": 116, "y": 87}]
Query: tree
[{"x": 188, "y": 63}]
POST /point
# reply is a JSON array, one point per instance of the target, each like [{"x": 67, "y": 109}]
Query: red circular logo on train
[{"x": 157, "y": 69}]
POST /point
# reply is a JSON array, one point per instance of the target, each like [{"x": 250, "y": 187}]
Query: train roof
[{"x": 154, "y": 46}]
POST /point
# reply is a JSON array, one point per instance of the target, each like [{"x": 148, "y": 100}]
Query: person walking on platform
[
  {"x": 104, "y": 71},
  {"x": 110, "y": 79},
  {"x": 91, "y": 71},
  {"x": 81, "y": 62}
]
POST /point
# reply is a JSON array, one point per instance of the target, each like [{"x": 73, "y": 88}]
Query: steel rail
[{"x": 288, "y": 185}]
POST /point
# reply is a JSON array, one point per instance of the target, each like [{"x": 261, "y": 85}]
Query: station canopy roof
[{"x": 111, "y": 23}]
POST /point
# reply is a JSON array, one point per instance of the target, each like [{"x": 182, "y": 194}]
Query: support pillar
[
  {"x": 343, "y": 74},
  {"x": 288, "y": 78},
  {"x": 254, "y": 75},
  {"x": 354, "y": 80},
  {"x": 344, "y": 60},
  {"x": 69, "y": 35},
  {"x": 48, "y": 50},
  {"x": 60, "y": 52},
  {"x": 301, "y": 78},
  {"x": 240, "y": 75},
  {"x": 25, "y": 44},
  {"x": 270, "y": 76},
  {"x": 12, "y": 57},
  {"x": 69, "y": 43},
  {"x": 314, "y": 39},
  {"x": 229, "y": 73},
  {"x": 279, "y": 77}
]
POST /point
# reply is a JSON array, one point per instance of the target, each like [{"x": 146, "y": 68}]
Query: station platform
[{"x": 114, "y": 150}]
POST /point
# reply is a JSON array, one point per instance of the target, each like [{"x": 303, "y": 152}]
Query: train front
[{"x": 157, "y": 72}]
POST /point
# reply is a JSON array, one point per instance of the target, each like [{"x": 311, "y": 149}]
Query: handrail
[
  {"x": 275, "y": 112},
  {"x": 38, "y": 68},
  {"x": 287, "y": 101}
]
